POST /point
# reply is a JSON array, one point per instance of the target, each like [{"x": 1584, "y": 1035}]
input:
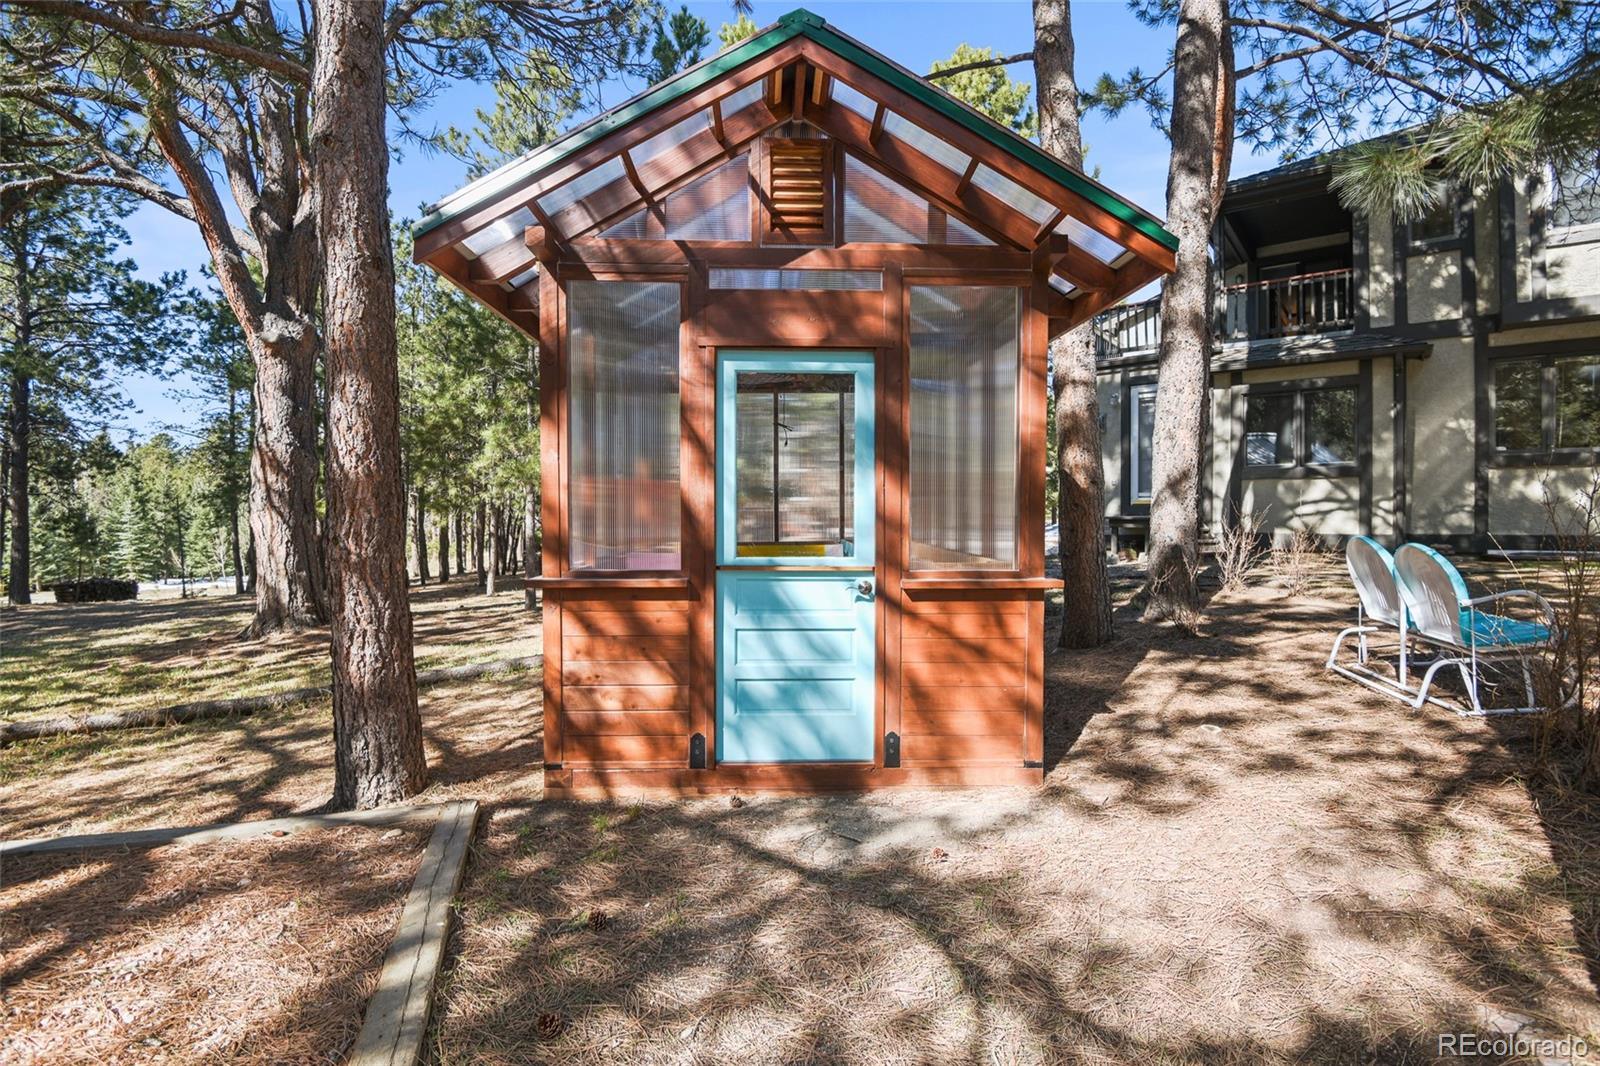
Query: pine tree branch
[
  {"x": 171, "y": 37},
  {"x": 1329, "y": 44},
  {"x": 979, "y": 64},
  {"x": 1389, "y": 30}
]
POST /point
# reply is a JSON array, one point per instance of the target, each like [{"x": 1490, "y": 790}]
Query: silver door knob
[{"x": 864, "y": 586}]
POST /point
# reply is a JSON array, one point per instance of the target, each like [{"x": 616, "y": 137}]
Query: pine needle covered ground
[{"x": 1235, "y": 859}]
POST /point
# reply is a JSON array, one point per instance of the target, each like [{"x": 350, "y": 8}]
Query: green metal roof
[{"x": 797, "y": 23}]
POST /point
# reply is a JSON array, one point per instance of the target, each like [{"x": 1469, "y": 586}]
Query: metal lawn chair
[
  {"x": 1379, "y": 609},
  {"x": 1441, "y": 613}
]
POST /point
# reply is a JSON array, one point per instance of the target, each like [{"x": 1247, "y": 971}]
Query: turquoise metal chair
[
  {"x": 1378, "y": 610},
  {"x": 1440, "y": 612}
]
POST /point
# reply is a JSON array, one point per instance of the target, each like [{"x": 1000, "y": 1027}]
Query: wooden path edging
[
  {"x": 34, "y": 729},
  {"x": 397, "y": 1013},
  {"x": 203, "y": 834}
]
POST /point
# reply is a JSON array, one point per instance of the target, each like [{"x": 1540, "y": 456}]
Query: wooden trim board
[{"x": 397, "y": 1015}]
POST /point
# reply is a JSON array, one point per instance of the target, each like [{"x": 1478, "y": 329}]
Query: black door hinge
[
  {"x": 552, "y": 766},
  {"x": 891, "y": 749},
  {"x": 697, "y": 752}
]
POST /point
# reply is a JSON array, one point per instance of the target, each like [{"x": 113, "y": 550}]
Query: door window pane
[
  {"x": 964, "y": 362},
  {"x": 795, "y": 464},
  {"x": 1578, "y": 402},
  {"x": 1331, "y": 426},
  {"x": 1517, "y": 421},
  {"x": 623, "y": 425},
  {"x": 1269, "y": 430}
]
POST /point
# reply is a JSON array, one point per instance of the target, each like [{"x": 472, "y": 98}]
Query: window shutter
[{"x": 797, "y": 189}]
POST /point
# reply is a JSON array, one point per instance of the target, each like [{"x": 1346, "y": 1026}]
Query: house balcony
[{"x": 1273, "y": 308}]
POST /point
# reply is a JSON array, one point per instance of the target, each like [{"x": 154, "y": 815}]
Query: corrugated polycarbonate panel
[
  {"x": 958, "y": 232},
  {"x": 1010, "y": 193},
  {"x": 940, "y": 151},
  {"x": 623, "y": 435},
  {"x": 964, "y": 362},
  {"x": 880, "y": 211},
  {"x": 670, "y": 138},
  {"x": 852, "y": 98},
  {"x": 1062, "y": 285},
  {"x": 735, "y": 102},
  {"x": 582, "y": 185},
  {"x": 797, "y": 280},
  {"x": 1094, "y": 242},
  {"x": 500, "y": 232},
  {"x": 713, "y": 207}
]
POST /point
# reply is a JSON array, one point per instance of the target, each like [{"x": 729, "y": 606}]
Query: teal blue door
[{"x": 795, "y": 521}]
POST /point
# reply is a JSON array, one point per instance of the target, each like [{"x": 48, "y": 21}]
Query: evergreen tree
[
  {"x": 988, "y": 88},
  {"x": 71, "y": 314}
]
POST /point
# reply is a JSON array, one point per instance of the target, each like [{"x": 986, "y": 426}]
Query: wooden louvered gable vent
[{"x": 798, "y": 204}]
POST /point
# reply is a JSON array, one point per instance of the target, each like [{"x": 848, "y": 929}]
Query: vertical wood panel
[
  {"x": 552, "y": 379},
  {"x": 700, "y": 507},
  {"x": 893, "y": 455}
]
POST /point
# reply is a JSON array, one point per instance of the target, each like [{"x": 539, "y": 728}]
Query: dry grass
[
  {"x": 83, "y": 658},
  {"x": 1235, "y": 859},
  {"x": 256, "y": 951}
]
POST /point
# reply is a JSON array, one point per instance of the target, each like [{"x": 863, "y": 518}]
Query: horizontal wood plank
[
  {"x": 919, "y": 721},
  {"x": 670, "y": 723},
  {"x": 962, "y": 651},
  {"x": 921, "y": 677},
  {"x": 920, "y": 697},
  {"x": 585, "y": 622},
  {"x": 624, "y": 749},
  {"x": 624, "y": 697},
  {"x": 625, "y": 649},
  {"x": 962, "y": 748},
  {"x": 1011, "y": 623},
  {"x": 624, "y": 600},
  {"x": 623, "y": 673},
  {"x": 994, "y": 603}
]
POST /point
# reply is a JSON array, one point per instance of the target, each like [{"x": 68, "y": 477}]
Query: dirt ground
[
  {"x": 252, "y": 951},
  {"x": 85, "y": 658},
  {"x": 1236, "y": 858}
]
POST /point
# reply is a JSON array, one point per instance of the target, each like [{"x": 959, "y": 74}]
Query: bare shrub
[
  {"x": 1297, "y": 561},
  {"x": 1568, "y": 679},
  {"x": 1240, "y": 549}
]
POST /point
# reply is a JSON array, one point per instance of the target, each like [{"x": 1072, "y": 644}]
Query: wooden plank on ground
[
  {"x": 205, "y": 834},
  {"x": 397, "y": 1015}
]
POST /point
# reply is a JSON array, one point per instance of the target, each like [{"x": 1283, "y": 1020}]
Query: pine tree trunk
[
  {"x": 478, "y": 527},
  {"x": 233, "y": 495},
  {"x": 444, "y": 548},
  {"x": 420, "y": 522},
  {"x": 497, "y": 550},
  {"x": 1080, "y": 479},
  {"x": 1172, "y": 592},
  {"x": 378, "y": 756},
  {"x": 288, "y": 569},
  {"x": 460, "y": 519},
  {"x": 19, "y": 430}
]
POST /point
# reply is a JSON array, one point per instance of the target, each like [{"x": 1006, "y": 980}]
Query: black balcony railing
[
  {"x": 1289, "y": 307},
  {"x": 1278, "y": 307}
]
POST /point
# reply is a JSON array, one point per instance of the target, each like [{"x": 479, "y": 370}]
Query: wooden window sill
[
  {"x": 580, "y": 581},
  {"x": 933, "y": 584}
]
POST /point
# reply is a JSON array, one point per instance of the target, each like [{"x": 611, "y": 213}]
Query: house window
[
  {"x": 623, "y": 427},
  {"x": 1439, "y": 223},
  {"x": 1291, "y": 429},
  {"x": 1141, "y": 438},
  {"x": 965, "y": 356},
  {"x": 1575, "y": 198},
  {"x": 1549, "y": 404}
]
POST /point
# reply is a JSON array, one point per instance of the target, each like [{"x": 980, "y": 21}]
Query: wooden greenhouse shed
[{"x": 793, "y": 308}]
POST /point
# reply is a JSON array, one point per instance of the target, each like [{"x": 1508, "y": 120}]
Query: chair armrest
[{"x": 1526, "y": 594}]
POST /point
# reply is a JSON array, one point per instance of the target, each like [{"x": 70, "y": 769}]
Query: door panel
[
  {"x": 796, "y": 653},
  {"x": 798, "y": 681}
]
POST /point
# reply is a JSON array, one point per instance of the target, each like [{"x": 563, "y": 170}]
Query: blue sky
[{"x": 1130, "y": 154}]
